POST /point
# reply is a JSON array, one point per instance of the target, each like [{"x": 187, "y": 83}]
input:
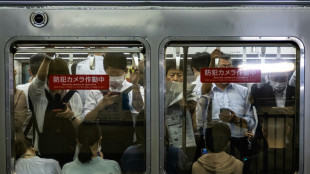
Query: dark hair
[
  {"x": 200, "y": 60},
  {"x": 217, "y": 137},
  {"x": 21, "y": 147},
  {"x": 171, "y": 64},
  {"x": 115, "y": 60},
  {"x": 35, "y": 61},
  {"x": 73, "y": 68},
  {"x": 88, "y": 134},
  {"x": 58, "y": 66}
]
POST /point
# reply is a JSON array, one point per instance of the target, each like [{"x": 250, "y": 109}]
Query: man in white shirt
[
  {"x": 235, "y": 99},
  {"x": 115, "y": 108}
]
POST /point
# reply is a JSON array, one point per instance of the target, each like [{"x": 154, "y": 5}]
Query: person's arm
[
  {"x": 137, "y": 100},
  {"x": 92, "y": 114},
  {"x": 43, "y": 70}
]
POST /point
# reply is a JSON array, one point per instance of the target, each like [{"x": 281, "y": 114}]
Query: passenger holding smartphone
[
  {"x": 230, "y": 103},
  {"x": 57, "y": 113},
  {"x": 116, "y": 108}
]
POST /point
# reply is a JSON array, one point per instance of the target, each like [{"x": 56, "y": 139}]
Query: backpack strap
[
  {"x": 65, "y": 99},
  {"x": 68, "y": 96},
  {"x": 32, "y": 121}
]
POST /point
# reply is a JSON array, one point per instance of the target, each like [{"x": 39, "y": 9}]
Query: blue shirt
[
  {"x": 236, "y": 98},
  {"x": 95, "y": 166}
]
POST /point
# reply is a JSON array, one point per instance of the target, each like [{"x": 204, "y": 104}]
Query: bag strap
[
  {"x": 65, "y": 99},
  {"x": 68, "y": 96},
  {"x": 32, "y": 121}
]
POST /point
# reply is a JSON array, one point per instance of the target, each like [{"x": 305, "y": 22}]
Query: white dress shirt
[
  {"x": 236, "y": 98},
  {"x": 95, "y": 96}
]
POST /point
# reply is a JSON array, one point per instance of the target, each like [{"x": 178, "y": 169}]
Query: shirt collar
[{"x": 214, "y": 87}]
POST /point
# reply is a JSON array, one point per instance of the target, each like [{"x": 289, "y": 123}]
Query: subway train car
[{"x": 160, "y": 66}]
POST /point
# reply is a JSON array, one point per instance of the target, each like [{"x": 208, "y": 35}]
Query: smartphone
[
  {"x": 225, "y": 111},
  {"x": 58, "y": 110},
  {"x": 105, "y": 92}
]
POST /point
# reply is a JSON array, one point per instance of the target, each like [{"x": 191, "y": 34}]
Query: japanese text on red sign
[
  {"x": 79, "y": 82},
  {"x": 229, "y": 75}
]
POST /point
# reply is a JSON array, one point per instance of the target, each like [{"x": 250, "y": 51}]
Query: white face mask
[
  {"x": 116, "y": 81},
  {"x": 278, "y": 86}
]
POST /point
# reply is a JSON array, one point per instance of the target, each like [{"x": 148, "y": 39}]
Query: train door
[
  {"x": 90, "y": 69},
  {"x": 254, "y": 82}
]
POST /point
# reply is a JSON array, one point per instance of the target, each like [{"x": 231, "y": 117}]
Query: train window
[
  {"x": 79, "y": 102},
  {"x": 231, "y": 99}
]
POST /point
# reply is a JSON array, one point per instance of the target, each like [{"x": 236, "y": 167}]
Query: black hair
[
  {"x": 21, "y": 147},
  {"x": 58, "y": 66},
  {"x": 35, "y": 62},
  {"x": 115, "y": 60},
  {"x": 73, "y": 68},
  {"x": 200, "y": 60},
  {"x": 88, "y": 134},
  {"x": 171, "y": 64},
  {"x": 217, "y": 137}
]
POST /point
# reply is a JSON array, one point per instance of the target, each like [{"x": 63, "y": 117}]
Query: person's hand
[
  {"x": 249, "y": 134},
  {"x": 67, "y": 113},
  {"x": 226, "y": 117},
  {"x": 206, "y": 88},
  {"x": 134, "y": 76},
  {"x": 215, "y": 54},
  {"x": 108, "y": 100}
]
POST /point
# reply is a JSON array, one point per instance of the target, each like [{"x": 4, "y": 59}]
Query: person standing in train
[
  {"x": 57, "y": 113},
  {"x": 115, "y": 108},
  {"x": 275, "y": 105},
  {"x": 199, "y": 60},
  {"x": 230, "y": 103},
  {"x": 34, "y": 63},
  {"x": 216, "y": 160},
  {"x": 90, "y": 158},
  {"x": 29, "y": 163}
]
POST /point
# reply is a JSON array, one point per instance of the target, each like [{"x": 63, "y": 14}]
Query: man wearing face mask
[
  {"x": 116, "y": 108},
  {"x": 275, "y": 102},
  {"x": 233, "y": 100}
]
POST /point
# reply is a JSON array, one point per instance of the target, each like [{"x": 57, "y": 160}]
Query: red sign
[
  {"x": 230, "y": 75},
  {"x": 79, "y": 82}
]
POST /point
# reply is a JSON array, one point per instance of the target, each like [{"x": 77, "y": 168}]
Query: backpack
[{"x": 58, "y": 139}]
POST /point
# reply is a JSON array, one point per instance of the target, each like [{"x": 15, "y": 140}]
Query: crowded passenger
[
  {"x": 57, "y": 113},
  {"x": 216, "y": 160},
  {"x": 28, "y": 163},
  {"x": 176, "y": 158},
  {"x": 275, "y": 104},
  {"x": 90, "y": 158},
  {"x": 20, "y": 111},
  {"x": 34, "y": 64},
  {"x": 133, "y": 160},
  {"x": 93, "y": 64},
  {"x": 199, "y": 60},
  {"x": 115, "y": 108},
  {"x": 230, "y": 103}
]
